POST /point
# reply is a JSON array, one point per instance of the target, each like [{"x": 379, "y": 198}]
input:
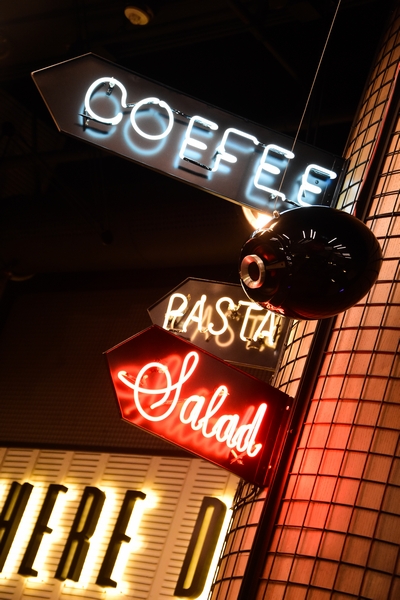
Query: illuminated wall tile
[
  {"x": 324, "y": 488},
  {"x": 349, "y": 579},
  {"x": 331, "y": 547},
  {"x": 383, "y": 557},
  {"x": 338, "y": 529},
  {"x": 309, "y": 543},
  {"x": 324, "y": 577},
  {"x": 356, "y": 550},
  {"x": 378, "y": 585}
]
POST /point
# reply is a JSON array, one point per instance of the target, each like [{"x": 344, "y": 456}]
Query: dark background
[
  {"x": 88, "y": 241},
  {"x": 69, "y": 207}
]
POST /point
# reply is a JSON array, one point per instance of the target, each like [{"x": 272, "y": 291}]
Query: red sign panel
[{"x": 175, "y": 390}]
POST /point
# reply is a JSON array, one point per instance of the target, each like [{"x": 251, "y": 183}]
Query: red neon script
[
  {"x": 179, "y": 392},
  {"x": 226, "y": 429}
]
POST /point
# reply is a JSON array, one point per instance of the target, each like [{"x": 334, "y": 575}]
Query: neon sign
[
  {"x": 220, "y": 319},
  {"x": 174, "y": 390},
  {"x": 106, "y": 105}
]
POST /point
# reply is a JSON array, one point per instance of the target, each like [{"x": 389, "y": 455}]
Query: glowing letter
[
  {"x": 189, "y": 141},
  {"x": 229, "y": 422},
  {"x": 199, "y": 306},
  {"x": 250, "y": 307},
  {"x": 214, "y": 405},
  {"x": 171, "y": 315},
  {"x": 41, "y": 527},
  {"x": 266, "y": 333},
  {"x": 77, "y": 546},
  {"x": 11, "y": 515},
  {"x": 270, "y": 168},
  {"x": 222, "y": 315},
  {"x": 245, "y": 437},
  {"x": 198, "y": 402},
  {"x": 222, "y": 154},
  {"x": 307, "y": 186},
  {"x": 111, "y": 84},
  {"x": 162, "y": 104},
  {"x": 117, "y": 538},
  {"x": 201, "y": 548},
  {"x": 166, "y": 391}
]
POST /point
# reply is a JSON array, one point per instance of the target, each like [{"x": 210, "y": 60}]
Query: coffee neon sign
[
  {"x": 106, "y": 105},
  {"x": 174, "y": 390}
]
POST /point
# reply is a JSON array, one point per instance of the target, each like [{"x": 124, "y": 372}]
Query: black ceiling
[{"x": 60, "y": 199}]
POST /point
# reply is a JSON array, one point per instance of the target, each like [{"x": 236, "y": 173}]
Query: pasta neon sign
[
  {"x": 195, "y": 400},
  {"x": 141, "y": 120},
  {"x": 196, "y": 315},
  {"x": 220, "y": 319}
]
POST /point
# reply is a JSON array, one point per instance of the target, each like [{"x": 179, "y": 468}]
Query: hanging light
[
  {"x": 310, "y": 263},
  {"x": 256, "y": 219}
]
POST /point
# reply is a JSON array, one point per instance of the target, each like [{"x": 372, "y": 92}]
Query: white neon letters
[
  {"x": 193, "y": 142},
  {"x": 192, "y": 145},
  {"x": 111, "y": 84},
  {"x": 307, "y": 186},
  {"x": 270, "y": 168},
  {"x": 222, "y": 154},
  {"x": 173, "y": 313},
  {"x": 162, "y": 104},
  {"x": 222, "y": 315},
  {"x": 225, "y": 428},
  {"x": 192, "y": 358},
  {"x": 261, "y": 326}
]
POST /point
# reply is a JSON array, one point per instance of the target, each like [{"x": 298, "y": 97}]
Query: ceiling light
[{"x": 139, "y": 14}]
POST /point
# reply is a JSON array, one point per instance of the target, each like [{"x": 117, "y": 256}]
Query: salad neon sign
[
  {"x": 190, "y": 397},
  {"x": 225, "y": 429},
  {"x": 141, "y": 120}
]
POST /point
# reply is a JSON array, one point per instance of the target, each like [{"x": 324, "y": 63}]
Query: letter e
[{"x": 117, "y": 538}]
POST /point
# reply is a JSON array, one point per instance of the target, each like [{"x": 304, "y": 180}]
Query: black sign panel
[
  {"x": 219, "y": 318},
  {"x": 97, "y": 101}
]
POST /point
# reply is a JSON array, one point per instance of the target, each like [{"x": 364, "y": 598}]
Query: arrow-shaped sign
[
  {"x": 101, "y": 103},
  {"x": 175, "y": 390}
]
